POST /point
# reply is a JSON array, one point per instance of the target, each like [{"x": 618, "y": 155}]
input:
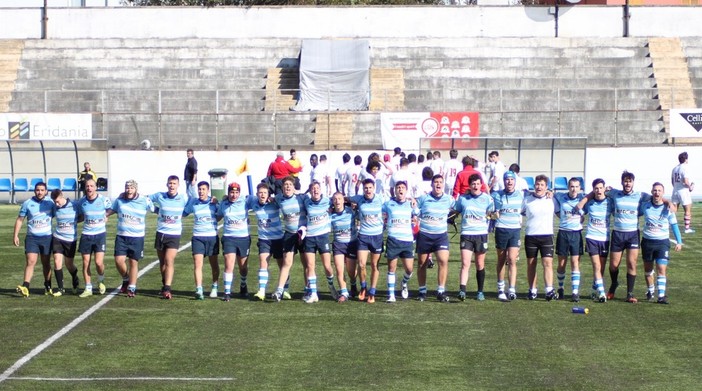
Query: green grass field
[{"x": 183, "y": 344}]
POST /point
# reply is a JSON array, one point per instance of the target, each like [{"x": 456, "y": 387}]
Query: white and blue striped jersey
[
  {"x": 599, "y": 216},
  {"x": 318, "y": 220},
  {"x": 268, "y": 215},
  {"x": 293, "y": 211},
  {"x": 205, "y": 215},
  {"x": 38, "y": 214},
  {"x": 433, "y": 212},
  {"x": 343, "y": 225},
  {"x": 474, "y": 212},
  {"x": 235, "y": 216},
  {"x": 539, "y": 212},
  {"x": 657, "y": 221},
  {"x": 131, "y": 215},
  {"x": 399, "y": 219},
  {"x": 370, "y": 213},
  {"x": 94, "y": 220},
  {"x": 66, "y": 227},
  {"x": 170, "y": 212},
  {"x": 509, "y": 206},
  {"x": 626, "y": 209},
  {"x": 569, "y": 221}
]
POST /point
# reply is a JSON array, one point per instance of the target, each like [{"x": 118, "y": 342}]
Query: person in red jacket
[
  {"x": 279, "y": 169},
  {"x": 462, "y": 185}
]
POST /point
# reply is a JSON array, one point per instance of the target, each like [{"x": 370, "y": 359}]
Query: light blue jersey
[
  {"x": 66, "y": 221},
  {"x": 626, "y": 209},
  {"x": 131, "y": 215},
  {"x": 657, "y": 221},
  {"x": 268, "y": 215},
  {"x": 318, "y": 220},
  {"x": 370, "y": 213},
  {"x": 38, "y": 214},
  {"x": 598, "y": 223},
  {"x": 170, "y": 212},
  {"x": 509, "y": 206},
  {"x": 205, "y": 214},
  {"x": 94, "y": 221},
  {"x": 293, "y": 211},
  {"x": 569, "y": 221},
  {"x": 344, "y": 225},
  {"x": 236, "y": 217},
  {"x": 399, "y": 219},
  {"x": 433, "y": 212},
  {"x": 474, "y": 212}
]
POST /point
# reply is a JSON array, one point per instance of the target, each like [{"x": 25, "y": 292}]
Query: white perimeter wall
[
  {"x": 348, "y": 22},
  {"x": 151, "y": 168}
]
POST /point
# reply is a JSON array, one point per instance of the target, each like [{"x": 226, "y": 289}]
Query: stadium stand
[
  {"x": 222, "y": 93},
  {"x": 53, "y": 183}
]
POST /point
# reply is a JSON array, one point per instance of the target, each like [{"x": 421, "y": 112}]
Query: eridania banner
[
  {"x": 45, "y": 126},
  {"x": 447, "y": 130},
  {"x": 685, "y": 122}
]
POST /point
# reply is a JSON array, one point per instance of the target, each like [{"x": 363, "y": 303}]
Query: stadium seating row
[
  {"x": 23, "y": 185},
  {"x": 560, "y": 183}
]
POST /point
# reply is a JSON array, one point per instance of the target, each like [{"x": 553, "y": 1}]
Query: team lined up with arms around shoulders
[{"x": 382, "y": 209}]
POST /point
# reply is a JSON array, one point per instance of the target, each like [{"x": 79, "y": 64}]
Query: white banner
[
  {"x": 404, "y": 130},
  {"x": 45, "y": 126},
  {"x": 685, "y": 123}
]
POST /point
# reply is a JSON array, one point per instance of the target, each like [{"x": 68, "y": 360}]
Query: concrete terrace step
[{"x": 490, "y": 62}]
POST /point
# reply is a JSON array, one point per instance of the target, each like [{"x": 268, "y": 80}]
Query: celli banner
[
  {"x": 685, "y": 123},
  {"x": 446, "y": 129},
  {"x": 45, "y": 126}
]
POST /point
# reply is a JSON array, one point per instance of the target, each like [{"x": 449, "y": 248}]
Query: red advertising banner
[{"x": 450, "y": 130}]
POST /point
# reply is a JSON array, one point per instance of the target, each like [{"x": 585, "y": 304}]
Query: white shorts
[{"x": 682, "y": 196}]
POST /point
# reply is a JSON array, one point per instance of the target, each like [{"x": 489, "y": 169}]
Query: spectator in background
[
  {"x": 521, "y": 183},
  {"x": 279, "y": 169},
  {"x": 352, "y": 175},
  {"x": 451, "y": 169},
  {"x": 190, "y": 175},
  {"x": 497, "y": 170},
  {"x": 462, "y": 184},
  {"x": 341, "y": 171},
  {"x": 295, "y": 162},
  {"x": 395, "y": 160},
  {"x": 682, "y": 190},
  {"x": 84, "y": 175},
  {"x": 437, "y": 164},
  {"x": 320, "y": 173}
]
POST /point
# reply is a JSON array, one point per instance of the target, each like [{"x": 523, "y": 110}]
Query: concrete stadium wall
[{"x": 349, "y": 22}]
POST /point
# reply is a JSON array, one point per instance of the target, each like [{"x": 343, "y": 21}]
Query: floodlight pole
[
  {"x": 627, "y": 16},
  {"x": 556, "y": 18},
  {"x": 45, "y": 20}
]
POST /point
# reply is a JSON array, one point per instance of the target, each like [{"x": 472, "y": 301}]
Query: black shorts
[
  {"x": 475, "y": 243},
  {"x": 569, "y": 243},
  {"x": 205, "y": 245},
  {"x": 398, "y": 249},
  {"x": 429, "y": 243},
  {"x": 507, "y": 238},
  {"x": 271, "y": 246},
  {"x": 655, "y": 250},
  {"x": 92, "y": 243},
  {"x": 131, "y": 247},
  {"x": 165, "y": 241},
  {"x": 236, "y": 245},
  {"x": 624, "y": 240},
  {"x": 67, "y": 249},
  {"x": 350, "y": 249},
  {"x": 535, "y": 244},
  {"x": 372, "y": 243},
  {"x": 597, "y": 247},
  {"x": 314, "y": 244},
  {"x": 291, "y": 242}
]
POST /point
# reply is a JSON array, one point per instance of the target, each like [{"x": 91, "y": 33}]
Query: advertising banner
[
  {"x": 45, "y": 126},
  {"x": 405, "y": 129},
  {"x": 685, "y": 123}
]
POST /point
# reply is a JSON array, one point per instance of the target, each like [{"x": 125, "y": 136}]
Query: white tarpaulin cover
[{"x": 334, "y": 75}]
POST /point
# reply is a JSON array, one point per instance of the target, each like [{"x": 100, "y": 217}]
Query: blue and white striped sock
[
  {"x": 661, "y": 282},
  {"x": 575, "y": 282},
  {"x": 228, "y": 279},
  {"x": 262, "y": 279},
  {"x": 391, "y": 284},
  {"x": 313, "y": 284}
]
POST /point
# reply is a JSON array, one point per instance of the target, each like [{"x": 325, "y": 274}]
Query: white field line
[
  {"x": 17, "y": 365},
  {"x": 88, "y": 379}
]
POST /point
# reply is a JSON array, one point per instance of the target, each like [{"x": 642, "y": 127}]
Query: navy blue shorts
[
  {"x": 507, "y": 238},
  {"x": 431, "y": 243},
  {"x": 273, "y": 247},
  {"x": 38, "y": 244},
  {"x": 165, "y": 241},
  {"x": 131, "y": 247},
  {"x": 597, "y": 247},
  {"x": 67, "y": 249},
  {"x": 349, "y": 249},
  {"x": 475, "y": 243},
  {"x": 92, "y": 243},
  {"x": 398, "y": 249},
  {"x": 535, "y": 244},
  {"x": 238, "y": 246},
  {"x": 372, "y": 243},
  {"x": 569, "y": 243},
  {"x": 313, "y": 244},
  {"x": 291, "y": 242},
  {"x": 624, "y": 240},
  {"x": 653, "y": 250},
  {"x": 205, "y": 245}
]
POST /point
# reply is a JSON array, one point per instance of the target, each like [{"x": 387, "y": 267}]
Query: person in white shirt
[
  {"x": 404, "y": 175},
  {"x": 352, "y": 176},
  {"x": 395, "y": 160},
  {"x": 682, "y": 189},
  {"x": 520, "y": 183},
  {"x": 451, "y": 169},
  {"x": 497, "y": 170},
  {"x": 437, "y": 164},
  {"x": 320, "y": 173},
  {"x": 340, "y": 172}
]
